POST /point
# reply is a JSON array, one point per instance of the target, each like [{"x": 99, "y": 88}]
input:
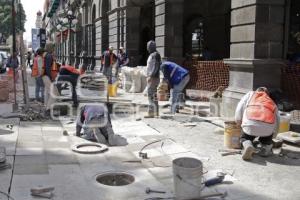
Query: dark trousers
[
  {"x": 73, "y": 80},
  {"x": 264, "y": 140}
]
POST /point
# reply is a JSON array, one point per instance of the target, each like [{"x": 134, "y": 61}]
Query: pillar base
[{"x": 248, "y": 75}]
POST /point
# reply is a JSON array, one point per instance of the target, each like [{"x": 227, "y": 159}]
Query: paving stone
[
  {"x": 5, "y": 176},
  {"x": 29, "y": 151},
  {"x": 25, "y": 165},
  {"x": 29, "y": 144}
]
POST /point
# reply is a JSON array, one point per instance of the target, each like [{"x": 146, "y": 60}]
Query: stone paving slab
[
  {"x": 5, "y": 176},
  {"x": 30, "y": 165}
]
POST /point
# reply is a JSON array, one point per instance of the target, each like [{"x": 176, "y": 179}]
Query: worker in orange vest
[
  {"x": 258, "y": 116},
  {"x": 108, "y": 60},
  {"x": 38, "y": 71},
  {"x": 68, "y": 73}
]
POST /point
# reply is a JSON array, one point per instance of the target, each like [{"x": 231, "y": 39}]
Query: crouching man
[
  {"x": 258, "y": 116},
  {"x": 96, "y": 124}
]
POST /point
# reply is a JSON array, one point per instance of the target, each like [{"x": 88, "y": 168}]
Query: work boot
[
  {"x": 248, "y": 150},
  {"x": 150, "y": 115},
  {"x": 266, "y": 150}
]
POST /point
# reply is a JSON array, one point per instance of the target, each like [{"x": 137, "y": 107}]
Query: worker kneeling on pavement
[
  {"x": 178, "y": 78},
  {"x": 96, "y": 124},
  {"x": 258, "y": 116}
]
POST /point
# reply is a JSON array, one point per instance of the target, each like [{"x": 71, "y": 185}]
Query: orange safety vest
[
  {"x": 71, "y": 69},
  {"x": 261, "y": 108},
  {"x": 35, "y": 68},
  {"x": 54, "y": 70}
]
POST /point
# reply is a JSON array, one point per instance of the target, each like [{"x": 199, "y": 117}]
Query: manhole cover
[
  {"x": 115, "y": 179},
  {"x": 89, "y": 148}
]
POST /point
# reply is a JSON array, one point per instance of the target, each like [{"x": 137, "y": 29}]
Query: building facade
[{"x": 254, "y": 37}]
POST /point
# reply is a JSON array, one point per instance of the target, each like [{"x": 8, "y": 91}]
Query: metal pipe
[{"x": 13, "y": 13}]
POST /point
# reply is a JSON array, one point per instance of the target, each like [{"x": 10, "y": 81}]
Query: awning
[{"x": 53, "y": 7}]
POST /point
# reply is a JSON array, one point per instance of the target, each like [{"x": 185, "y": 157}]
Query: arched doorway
[
  {"x": 104, "y": 25},
  {"x": 215, "y": 18},
  {"x": 147, "y": 29}
]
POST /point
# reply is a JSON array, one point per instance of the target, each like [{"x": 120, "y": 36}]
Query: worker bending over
[
  {"x": 68, "y": 73},
  {"x": 96, "y": 124},
  {"x": 178, "y": 78},
  {"x": 258, "y": 116}
]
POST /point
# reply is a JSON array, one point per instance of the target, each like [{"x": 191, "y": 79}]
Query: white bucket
[{"x": 187, "y": 174}]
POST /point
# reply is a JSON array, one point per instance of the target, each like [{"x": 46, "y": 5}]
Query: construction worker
[
  {"x": 123, "y": 59},
  {"x": 49, "y": 76},
  {"x": 96, "y": 123},
  {"x": 153, "y": 65},
  {"x": 108, "y": 59},
  {"x": 258, "y": 116},
  {"x": 68, "y": 73},
  {"x": 177, "y": 77},
  {"x": 38, "y": 70}
]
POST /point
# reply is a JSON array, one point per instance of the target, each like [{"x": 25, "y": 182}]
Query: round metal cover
[
  {"x": 89, "y": 148},
  {"x": 115, "y": 178}
]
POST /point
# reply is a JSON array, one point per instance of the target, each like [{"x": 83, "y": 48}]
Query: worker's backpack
[{"x": 261, "y": 108}]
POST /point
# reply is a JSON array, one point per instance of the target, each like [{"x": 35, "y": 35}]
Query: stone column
[
  {"x": 256, "y": 50},
  {"x": 169, "y": 28},
  {"x": 132, "y": 33}
]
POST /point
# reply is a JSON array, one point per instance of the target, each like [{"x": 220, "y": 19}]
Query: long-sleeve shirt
[
  {"x": 153, "y": 65},
  {"x": 173, "y": 73},
  {"x": 48, "y": 65},
  {"x": 253, "y": 127},
  {"x": 89, "y": 113}
]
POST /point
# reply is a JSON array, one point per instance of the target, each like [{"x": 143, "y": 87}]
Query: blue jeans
[
  {"x": 39, "y": 89},
  {"x": 177, "y": 93}
]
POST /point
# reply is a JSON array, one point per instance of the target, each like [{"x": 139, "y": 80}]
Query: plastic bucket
[
  {"x": 285, "y": 120},
  {"x": 187, "y": 174},
  {"x": 113, "y": 89},
  {"x": 232, "y": 134}
]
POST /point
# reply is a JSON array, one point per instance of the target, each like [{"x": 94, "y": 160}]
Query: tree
[{"x": 6, "y": 19}]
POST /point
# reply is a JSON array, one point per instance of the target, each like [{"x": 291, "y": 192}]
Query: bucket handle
[{"x": 191, "y": 184}]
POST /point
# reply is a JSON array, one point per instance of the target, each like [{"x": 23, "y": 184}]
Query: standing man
[
  {"x": 153, "y": 64},
  {"x": 123, "y": 59},
  {"x": 48, "y": 79},
  {"x": 29, "y": 59},
  {"x": 107, "y": 61},
  {"x": 38, "y": 70},
  {"x": 258, "y": 115},
  {"x": 178, "y": 78}
]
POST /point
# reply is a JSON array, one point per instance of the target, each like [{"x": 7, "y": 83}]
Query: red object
[{"x": 71, "y": 69}]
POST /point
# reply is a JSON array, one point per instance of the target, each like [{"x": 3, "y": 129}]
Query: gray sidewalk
[{"x": 41, "y": 156}]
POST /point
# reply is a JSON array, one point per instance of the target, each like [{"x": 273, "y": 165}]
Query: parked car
[{"x": 3, "y": 61}]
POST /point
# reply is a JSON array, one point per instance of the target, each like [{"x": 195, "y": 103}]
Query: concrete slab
[
  {"x": 5, "y": 176},
  {"x": 30, "y": 165},
  {"x": 29, "y": 151},
  {"x": 59, "y": 156}
]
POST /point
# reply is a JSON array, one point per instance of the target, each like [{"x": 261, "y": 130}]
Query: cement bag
[
  {"x": 126, "y": 78},
  {"x": 143, "y": 71},
  {"x": 136, "y": 81}
]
